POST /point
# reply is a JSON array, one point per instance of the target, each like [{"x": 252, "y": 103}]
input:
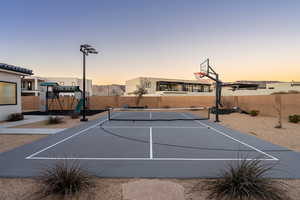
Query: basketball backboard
[{"x": 204, "y": 67}]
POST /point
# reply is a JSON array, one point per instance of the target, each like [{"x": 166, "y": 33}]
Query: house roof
[{"x": 15, "y": 69}]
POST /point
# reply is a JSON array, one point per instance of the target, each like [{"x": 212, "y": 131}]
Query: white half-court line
[
  {"x": 150, "y": 142},
  {"x": 224, "y": 134},
  {"x": 67, "y": 138},
  {"x": 145, "y": 159}
]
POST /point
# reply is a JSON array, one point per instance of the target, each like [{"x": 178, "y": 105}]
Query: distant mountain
[{"x": 108, "y": 90}]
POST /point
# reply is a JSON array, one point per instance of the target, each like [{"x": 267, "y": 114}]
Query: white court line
[
  {"x": 145, "y": 159},
  {"x": 32, "y": 156},
  {"x": 185, "y": 127},
  {"x": 150, "y": 141},
  {"x": 224, "y": 134},
  {"x": 67, "y": 138},
  {"x": 155, "y": 109}
]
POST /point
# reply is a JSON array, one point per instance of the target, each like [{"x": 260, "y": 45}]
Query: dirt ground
[
  {"x": 111, "y": 189},
  {"x": 264, "y": 128},
  {"x": 9, "y": 142}
]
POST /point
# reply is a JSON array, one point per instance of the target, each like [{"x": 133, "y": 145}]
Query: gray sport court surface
[{"x": 178, "y": 149}]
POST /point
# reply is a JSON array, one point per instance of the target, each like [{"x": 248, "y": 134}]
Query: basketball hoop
[{"x": 199, "y": 75}]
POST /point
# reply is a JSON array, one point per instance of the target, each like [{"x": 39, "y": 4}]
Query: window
[
  {"x": 179, "y": 86},
  {"x": 29, "y": 85},
  {"x": 206, "y": 88},
  {"x": 295, "y": 84},
  {"x": 8, "y": 93}
]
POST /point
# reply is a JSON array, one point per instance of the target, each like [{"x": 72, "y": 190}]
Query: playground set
[
  {"x": 50, "y": 95},
  {"x": 56, "y": 99}
]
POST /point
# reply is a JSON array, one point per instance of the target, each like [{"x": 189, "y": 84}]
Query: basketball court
[{"x": 149, "y": 143}]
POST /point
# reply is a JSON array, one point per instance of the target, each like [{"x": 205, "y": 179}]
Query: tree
[
  {"x": 140, "y": 92},
  {"x": 114, "y": 92},
  {"x": 278, "y": 108}
]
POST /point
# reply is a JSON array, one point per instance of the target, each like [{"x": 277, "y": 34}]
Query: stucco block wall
[
  {"x": 6, "y": 110},
  {"x": 291, "y": 104},
  {"x": 30, "y": 103},
  {"x": 186, "y": 101},
  {"x": 266, "y": 104}
]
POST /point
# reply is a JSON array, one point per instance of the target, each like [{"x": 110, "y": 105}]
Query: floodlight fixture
[
  {"x": 93, "y": 52},
  {"x": 91, "y": 49},
  {"x": 85, "y": 46}
]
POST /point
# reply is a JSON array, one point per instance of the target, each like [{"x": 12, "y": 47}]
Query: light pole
[{"x": 86, "y": 50}]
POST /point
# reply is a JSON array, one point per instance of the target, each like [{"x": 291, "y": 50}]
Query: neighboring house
[
  {"x": 10, "y": 89},
  {"x": 245, "y": 88},
  {"x": 204, "y": 87},
  {"x": 164, "y": 86},
  {"x": 261, "y": 84},
  {"x": 31, "y": 85},
  {"x": 69, "y": 81},
  {"x": 108, "y": 90}
]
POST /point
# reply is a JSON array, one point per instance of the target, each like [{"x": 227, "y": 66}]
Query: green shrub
[
  {"x": 246, "y": 181},
  {"x": 293, "y": 92},
  {"x": 75, "y": 115},
  {"x": 55, "y": 120},
  {"x": 107, "y": 107},
  {"x": 64, "y": 180},
  {"x": 254, "y": 113},
  {"x": 294, "y": 118},
  {"x": 280, "y": 92},
  {"x": 278, "y": 126},
  {"x": 15, "y": 117},
  {"x": 288, "y": 92}
]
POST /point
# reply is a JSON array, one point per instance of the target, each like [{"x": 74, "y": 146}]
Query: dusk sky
[{"x": 245, "y": 40}]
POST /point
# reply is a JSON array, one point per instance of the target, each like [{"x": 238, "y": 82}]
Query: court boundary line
[
  {"x": 150, "y": 159},
  {"x": 151, "y": 144},
  {"x": 65, "y": 139},
  {"x": 34, "y": 157},
  {"x": 146, "y": 127},
  {"x": 230, "y": 137}
]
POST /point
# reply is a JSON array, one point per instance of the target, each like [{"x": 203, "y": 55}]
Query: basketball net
[{"x": 199, "y": 75}]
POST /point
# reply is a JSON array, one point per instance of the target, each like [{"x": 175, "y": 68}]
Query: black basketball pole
[{"x": 208, "y": 74}]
